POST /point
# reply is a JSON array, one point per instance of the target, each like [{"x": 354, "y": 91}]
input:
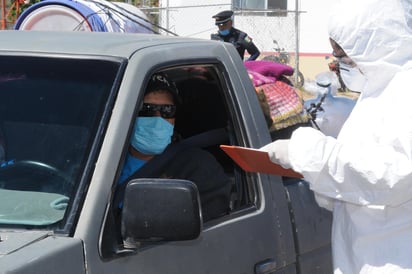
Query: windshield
[{"x": 50, "y": 111}]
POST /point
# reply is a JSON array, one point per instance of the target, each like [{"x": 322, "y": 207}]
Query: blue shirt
[{"x": 131, "y": 165}]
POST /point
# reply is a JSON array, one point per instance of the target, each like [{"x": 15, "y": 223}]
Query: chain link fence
[
  {"x": 195, "y": 20},
  {"x": 263, "y": 26}
]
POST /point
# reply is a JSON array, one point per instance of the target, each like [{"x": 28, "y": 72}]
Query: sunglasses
[{"x": 150, "y": 110}]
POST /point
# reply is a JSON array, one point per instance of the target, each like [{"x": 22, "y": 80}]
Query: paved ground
[{"x": 310, "y": 66}]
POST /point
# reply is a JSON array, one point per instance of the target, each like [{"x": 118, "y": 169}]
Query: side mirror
[{"x": 161, "y": 210}]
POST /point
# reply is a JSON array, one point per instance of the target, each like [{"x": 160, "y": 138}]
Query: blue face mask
[
  {"x": 151, "y": 135},
  {"x": 224, "y": 32}
]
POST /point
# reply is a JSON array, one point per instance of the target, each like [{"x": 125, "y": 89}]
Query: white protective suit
[{"x": 365, "y": 174}]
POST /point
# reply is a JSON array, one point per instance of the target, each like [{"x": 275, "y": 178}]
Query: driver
[{"x": 153, "y": 132}]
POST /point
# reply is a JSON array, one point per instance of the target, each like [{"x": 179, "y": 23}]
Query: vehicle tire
[{"x": 300, "y": 81}]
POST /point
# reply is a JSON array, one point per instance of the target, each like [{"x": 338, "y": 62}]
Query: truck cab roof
[{"x": 93, "y": 43}]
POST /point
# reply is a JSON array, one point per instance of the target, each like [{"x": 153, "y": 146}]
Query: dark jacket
[
  {"x": 241, "y": 41},
  {"x": 200, "y": 167},
  {"x": 196, "y": 165}
]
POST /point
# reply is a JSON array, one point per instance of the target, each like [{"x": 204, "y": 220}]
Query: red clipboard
[{"x": 254, "y": 160}]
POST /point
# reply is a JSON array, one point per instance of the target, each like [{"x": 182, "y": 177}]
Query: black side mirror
[{"x": 161, "y": 210}]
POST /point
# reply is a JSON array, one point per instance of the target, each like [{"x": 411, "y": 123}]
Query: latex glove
[{"x": 278, "y": 152}]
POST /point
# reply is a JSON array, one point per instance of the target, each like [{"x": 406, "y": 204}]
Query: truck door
[{"x": 254, "y": 234}]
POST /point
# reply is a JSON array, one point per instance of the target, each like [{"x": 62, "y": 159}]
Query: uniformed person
[{"x": 227, "y": 33}]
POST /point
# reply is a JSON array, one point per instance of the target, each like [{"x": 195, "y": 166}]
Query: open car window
[{"x": 205, "y": 119}]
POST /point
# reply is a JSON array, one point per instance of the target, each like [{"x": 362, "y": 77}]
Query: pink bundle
[
  {"x": 265, "y": 72},
  {"x": 283, "y": 102}
]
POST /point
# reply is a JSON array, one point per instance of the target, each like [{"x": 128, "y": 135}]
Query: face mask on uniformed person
[
  {"x": 352, "y": 77},
  {"x": 224, "y": 32},
  {"x": 151, "y": 135}
]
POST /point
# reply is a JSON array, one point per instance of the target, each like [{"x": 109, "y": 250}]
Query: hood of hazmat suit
[{"x": 364, "y": 175}]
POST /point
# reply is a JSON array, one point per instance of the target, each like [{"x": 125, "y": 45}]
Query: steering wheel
[{"x": 30, "y": 175}]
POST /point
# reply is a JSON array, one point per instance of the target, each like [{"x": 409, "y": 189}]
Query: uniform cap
[{"x": 223, "y": 17}]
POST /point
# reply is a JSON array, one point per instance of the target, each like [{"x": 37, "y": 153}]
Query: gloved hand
[{"x": 278, "y": 152}]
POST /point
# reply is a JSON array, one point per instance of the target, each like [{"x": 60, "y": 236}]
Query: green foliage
[
  {"x": 146, "y": 3},
  {"x": 32, "y": 2}
]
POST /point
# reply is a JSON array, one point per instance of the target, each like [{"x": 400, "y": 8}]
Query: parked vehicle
[
  {"x": 283, "y": 57},
  {"x": 68, "y": 102}
]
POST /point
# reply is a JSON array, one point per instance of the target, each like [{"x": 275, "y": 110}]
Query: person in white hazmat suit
[{"x": 364, "y": 175}]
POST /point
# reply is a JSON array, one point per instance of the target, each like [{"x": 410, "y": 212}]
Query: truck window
[
  {"x": 50, "y": 111},
  {"x": 202, "y": 123},
  {"x": 205, "y": 108}
]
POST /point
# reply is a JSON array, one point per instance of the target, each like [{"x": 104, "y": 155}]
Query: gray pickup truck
[{"x": 68, "y": 101}]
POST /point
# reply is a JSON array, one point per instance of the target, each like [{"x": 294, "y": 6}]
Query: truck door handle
[{"x": 265, "y": 267}]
